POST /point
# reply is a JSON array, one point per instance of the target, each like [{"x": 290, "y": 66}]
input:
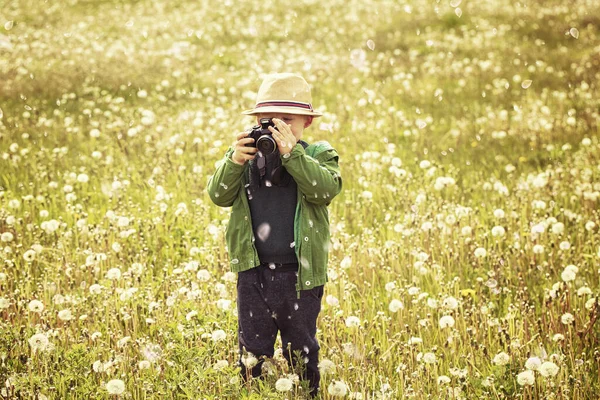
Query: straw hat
[{"x": 284, "y": 93}]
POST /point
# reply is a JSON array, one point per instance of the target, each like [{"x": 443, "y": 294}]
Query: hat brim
[{"x": 282, "y": 110}]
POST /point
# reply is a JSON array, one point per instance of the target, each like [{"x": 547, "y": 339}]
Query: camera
[{"x": 263, "y": 139}]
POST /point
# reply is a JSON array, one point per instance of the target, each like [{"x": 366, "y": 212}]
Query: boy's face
[{"x": 297, "y": 122}]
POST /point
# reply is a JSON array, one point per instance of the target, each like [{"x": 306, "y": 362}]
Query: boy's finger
[
  {"x": 245, "y": 141},
  {"x": 241, "y": 135}
]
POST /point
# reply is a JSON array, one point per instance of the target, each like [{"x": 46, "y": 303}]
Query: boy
[{"x": 278, "y": 233}]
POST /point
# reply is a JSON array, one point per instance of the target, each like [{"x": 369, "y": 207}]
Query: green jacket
[{"x": 317, "y": 174}]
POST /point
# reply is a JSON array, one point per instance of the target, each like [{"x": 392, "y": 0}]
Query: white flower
[
  {"x": 558, "y": 228},
  {"x": 115, "y": 386},
  {"x": 567, "y": 318},
  {"x": 569, "y": 273},
  {"x": 501, "y": 358},
  {"x": 564, "y": 245},
  {"x": 526, "y": 378},
  {"x": 284, "y": 385},
  {"x": 4, "y": 303},
  {"x": 113, "y": 274},
  {"x": 352, "y": 321},
  {"x": 558, "y": 337},
  {"x": 332, "y": 301},
  {"x": 443, "y": 379},
  {"x": 533, "y": 363},
  {"x": 218, "y": 335},
  {"x": 538, "y": 249},
  {"x": 429, "y": 358},
  {"x": 590, "y": 303},
  {"x": 144, "y": 364},
  {"x": 39, "y": 341},
  {"x": 548, "y": 369},
  {"x": 203, "y": 275},
  {"x": 220, "y": 365},
  {"x": 346, "y": 262},
  {"x": 36, "y": 306},
  {"x": 480, "y": 252},
  {"x": 395, "y": 305},
  {"x": 590, "y": 225},
  {"x": 29, "y": 255},
  {"x": 415, "y": 340},
  {"x": 7, "y": 237},
  {"x": 326, "y": 367},
  {"x": 498, "y": 231},
  {"x": 224, "y": 304},
  {"x": 499, "y": 213},
  {"x": 447, "y": 321},
  {"x": 450, "y": 303},
  {"x": 337, "y": 389},
  {"x": 249, "y": 361}
]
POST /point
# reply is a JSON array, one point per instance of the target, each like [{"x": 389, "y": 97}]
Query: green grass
[{"x": 68, "y": 68}]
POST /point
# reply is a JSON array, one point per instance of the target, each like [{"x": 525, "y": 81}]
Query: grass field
[{"x": 465, "y": 248}]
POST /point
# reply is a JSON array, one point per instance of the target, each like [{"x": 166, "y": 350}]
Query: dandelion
[
  {"x": 7, "y": 237},
  {"x": 501, "y": 358},
  {"x": 429, "y": 358},
  {"x": 220, "y": 365},
  {"x": 113, "y": 274},
  {"x": 337, "y": 389},
  {"x": 480, "y": 252},
  {"x": 326, "y": 367},
  {"x": 498, "y": 231},
  {"x": 39, "y": 341},
  {"x": 558, "y": 337},
  {"x": 218, "y": 335},
  {"x": 533, "y": 363},
  {"x": 36, "y": 306},
  {"x": 115, "y": 386},
  {"x": 249, "y": 360},
  {"x": 569, "y": 273},
  {"x": 567, "y": 318},
  {"x": 284, "y": 385},
  {"x": 352, "y": 321},
  {"x": 29, "y": 255},
  {"x": 332, "y": 301},
  {"x": 538, "y": 249},
  {"x": 144, "y": 364},
  {"x": 447, "y": 321},
  {"x": 548, "y": 369},
  {"x": 395, "y": 305},
  {"x": 203, "y": 275},
  {"x": 450, "y": 303},
  {"x": 4, "y": 303},
  {"x": 443, "y": 379},
  {"x": 526, "y": 378}
]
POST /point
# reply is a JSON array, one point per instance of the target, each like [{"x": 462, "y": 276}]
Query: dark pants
[{"x": 268, "y": 302}]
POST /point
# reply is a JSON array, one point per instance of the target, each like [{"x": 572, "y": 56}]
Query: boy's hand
[
  {"x": 241, "y": 153},
  {"x": 283, "y": 136}
]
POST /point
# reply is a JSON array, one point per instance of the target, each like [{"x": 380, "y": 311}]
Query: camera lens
[{"x": 266, "y": 145}]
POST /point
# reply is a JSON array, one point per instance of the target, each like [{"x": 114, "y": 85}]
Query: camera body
[{"x": 263, "y": 138}]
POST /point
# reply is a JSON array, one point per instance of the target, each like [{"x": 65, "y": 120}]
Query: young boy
[{"x": 278, "y": 232}]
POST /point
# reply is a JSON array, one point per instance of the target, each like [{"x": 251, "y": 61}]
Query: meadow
[{"x": 464, "y": 258}]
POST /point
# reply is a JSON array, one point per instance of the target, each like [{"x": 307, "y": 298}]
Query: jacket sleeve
[
  {"x": 224, "y": 186},
  {"x": 318, "y": 177}
]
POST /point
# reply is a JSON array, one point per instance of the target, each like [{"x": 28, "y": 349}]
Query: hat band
[{"x": 296, "y": 104}]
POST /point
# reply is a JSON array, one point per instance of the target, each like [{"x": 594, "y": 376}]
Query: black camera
[{"x": 263, "y": 138}]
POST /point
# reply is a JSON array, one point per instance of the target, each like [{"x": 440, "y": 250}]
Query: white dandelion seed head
[{"x": 115, "y": 386}]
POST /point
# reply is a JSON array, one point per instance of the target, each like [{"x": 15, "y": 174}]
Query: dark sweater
[{"x": 272, "y": 209}]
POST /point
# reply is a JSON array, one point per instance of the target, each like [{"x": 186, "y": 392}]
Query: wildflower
[
  {"x": 499, "y": 213},
  {"x": 113, "y": 274},
  {"x": 558, "y": 228},
  {"x": 447, "y": 321},
  {"x": 29, "y": 255},
  {"x": 326, "y": 367},
  {"x": 498, "y": 231},
  {"x": 7, "y": 237},
  {"x": 249, "y": 361},
  {"x": 352, "y": 321},
  {"x": 144, "y": 364},
  {"x": 332, "y": 301},
  {"x": 190, "y": 315},
  {"x": 450, "y": 303},
  {"x": 558, "y": 337},
  {"x": 65, "y": 315},
  {"x": 501, "y": 358},
  {"x": 390, "y": 286},
  {"x": 284, "y": 385},
  {"x": 429, "y": 358},
  {"x": 203, "y": 275},
  {"x": 115, "y": 386},
  {"x": 480, "y": 252},
  {"x": 526, "y": 378},
  {"x": 218, "y": 335},
  {"x": 569, "y": 273},
  {"x": 567, "y": 318},
  {"x": 395, "y": 305},
  {"x": 415, "y": 340},
  {"x": 36, "y": 306},
  {"x": 538, "y": 249},
  {"x": 443, "y": 379},
  {"x": 39, "y": 341},
  {"x": 533, "y": 363},
  {"x": 548, "y": 369},
  {"x": 220, "y": 365},
  {"x": 590, "y": 303},
  {"x": 564, "y": 245},
  {"x": 337, "y": 389},
  {"x": 4, "y": 303}
]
